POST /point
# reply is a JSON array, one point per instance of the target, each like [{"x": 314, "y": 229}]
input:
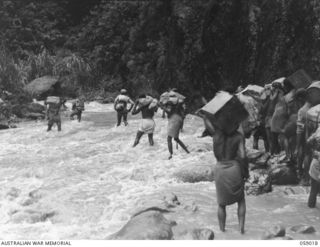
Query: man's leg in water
[
  {"x": 315, "y": 189},
  {"x": 222, "y": 215},
  {"x": 50, "y": 124},
  {"x": 169, "y": 140},
  {"x": 73, "y": 113},
  {"x": 125, "y": 116},
  {"x": 150, "y": 137},
  {"x": 79, "y": 116},
  {"x": 119, "y": 117},
  {"x": 138, "y": 136},
  {"x": 181, "y": 144},
  {"x": 242, "y": 214},
  {"x": 59, "y": 124}
]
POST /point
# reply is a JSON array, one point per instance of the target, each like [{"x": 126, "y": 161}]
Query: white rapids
[{"x": 86, "y": 181}]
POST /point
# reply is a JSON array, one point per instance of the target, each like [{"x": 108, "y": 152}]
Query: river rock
[
  {"x": 259, "y": 182},
  {"x": 195, "y": 173},
  {"x": 303, "y": 229},
  {"x": 31, "y": 216},
  {"x": 148, "y": 225},
  {"x": 282, "y": 174},
  {"x": 276, "y": 231},
  {"x": 13, "y": 193},
  {"x": 171, "y": 200},
  {"x": 196, "y": 234}
]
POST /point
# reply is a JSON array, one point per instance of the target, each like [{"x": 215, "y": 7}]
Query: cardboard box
[
  {"x": 225, "y": 112},
  {"x": 300, "y": 79}
]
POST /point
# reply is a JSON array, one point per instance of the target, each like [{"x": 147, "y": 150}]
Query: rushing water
[{"x": 86, "y": 181}]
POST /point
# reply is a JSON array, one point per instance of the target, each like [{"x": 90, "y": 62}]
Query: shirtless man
[{"x": 147, "y": 124}]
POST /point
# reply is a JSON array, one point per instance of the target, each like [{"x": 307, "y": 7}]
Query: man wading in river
[
  {"x": 120, "y": 105},
  {"x": 54, "y": 104},
  {"x": 147, "y": 106}
]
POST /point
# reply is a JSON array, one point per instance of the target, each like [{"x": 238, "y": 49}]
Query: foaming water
[{"x": 86, "y": 181}]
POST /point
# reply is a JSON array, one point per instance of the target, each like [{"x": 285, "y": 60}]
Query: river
[{"x": 86, "y": 181}]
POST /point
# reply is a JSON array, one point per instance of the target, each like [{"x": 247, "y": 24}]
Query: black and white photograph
[{"x": 159, "y": 120}]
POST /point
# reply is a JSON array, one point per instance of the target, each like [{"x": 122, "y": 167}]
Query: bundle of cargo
[
  {"x": 300, "y": 79},
  {"x": 121, "y": 102},
  {"x": 148, "y": 101},
  {"x": 253, "y": 91},
  {"x": 225, "y": 112},
  {"x": 314, "y": 93},
  {"x": 53, "y": 100},
  {"x": 171, "y": 97},
  {"x": 313, "y": 114}
]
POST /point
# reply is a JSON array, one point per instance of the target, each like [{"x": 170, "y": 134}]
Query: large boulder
[
  {"x": 147, "y": 225},
  {"x": 32, "y": 111},
  {"x": 41, "y": 85},
  {"x": 195, "y": 173},
  {"x": 283, "y": 174}
]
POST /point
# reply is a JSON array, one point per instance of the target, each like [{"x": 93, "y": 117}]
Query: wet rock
[
  {"x": 303, "y": 229},
  {"x": 171, "y": 200},
  {"x": 31, "y": 216},
  {"x": 259, "y": 182},
  {"x": 26, "y": 202},
  {"x": 283, "y": 174},
  {"x": 36, "y": 194},
  {"x": 196, "y": 234},
  {"x": 13, "y": 193},
  {"x": 148, "y": 225},
  {"x": 195, "y": 173},
  {"x": 276, "y": 231},
  {"x": 193, "y": 207}
]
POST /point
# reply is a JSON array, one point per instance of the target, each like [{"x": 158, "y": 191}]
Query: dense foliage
[{"x": 200, "y": 45}]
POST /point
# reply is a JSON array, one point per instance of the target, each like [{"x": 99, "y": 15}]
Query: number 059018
[{"x": 309, "y": 243}]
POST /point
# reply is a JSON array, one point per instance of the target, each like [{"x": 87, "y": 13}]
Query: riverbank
[{"x": 87, "y": 181}]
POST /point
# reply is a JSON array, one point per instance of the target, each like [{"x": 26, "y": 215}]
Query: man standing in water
[
  {"x": 120, "y": 105},
  {"x": 54, "y": 104},
  {"x": 147, "y": 107}
]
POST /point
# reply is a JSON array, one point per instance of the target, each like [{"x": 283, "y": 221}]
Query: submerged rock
[
  {"x": 196, "y": 234},
  {"x": 31, "y": 216},
  {"x": 171, "y": 200},
  {"x": 276, "y": 231},
  {"x": 148, "y": 225},
  {"x": 303, "y": 229},
  {"x": 195, "y": 174}
]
